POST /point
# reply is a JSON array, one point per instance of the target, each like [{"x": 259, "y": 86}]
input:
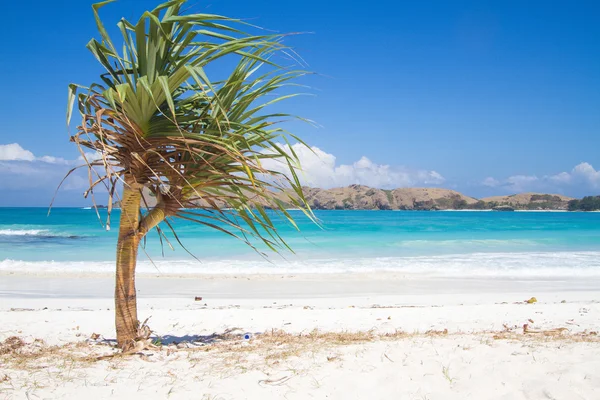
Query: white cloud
[
  {"x": 53, "y": 160},
  {"x": 520, "y": 183},
  {"x": 582, "y": 174},
  {"x": 21, "y": 169},
  {"x": 28, "y": 177},
  {"x": 319, "y": 169},
  {"x": 90, "y": 156},
  {"x": 583, "y": 177},
  {"x": 587, "y": 173},
  {"x": 491, "y": 182},
  {"x": 563, "y": 177},
  {"x": 13, "y": 152}
]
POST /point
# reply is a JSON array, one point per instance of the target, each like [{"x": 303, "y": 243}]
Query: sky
[{"x": 484, "y": 97}]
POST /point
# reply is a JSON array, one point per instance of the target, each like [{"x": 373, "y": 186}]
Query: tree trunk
[{"x": 127, "y": 248}]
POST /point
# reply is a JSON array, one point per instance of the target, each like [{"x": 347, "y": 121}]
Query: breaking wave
[
  {"x": 24, "y": 232},
  {"x": 36, "y": 233},
  {"x": 526, "y": 265}
]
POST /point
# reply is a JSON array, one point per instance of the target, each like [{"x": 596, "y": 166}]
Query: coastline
[{"x": 257, "y": 286}]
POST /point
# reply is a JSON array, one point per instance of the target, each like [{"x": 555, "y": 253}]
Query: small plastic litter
[{"x": 531, "y": 300}]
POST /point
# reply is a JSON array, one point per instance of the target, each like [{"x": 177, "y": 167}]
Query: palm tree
[{"x": 160, "y": 126}]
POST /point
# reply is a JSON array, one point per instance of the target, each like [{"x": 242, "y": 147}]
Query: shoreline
[{"x": 301, "y": 286}]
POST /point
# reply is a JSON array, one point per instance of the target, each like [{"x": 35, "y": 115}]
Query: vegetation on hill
[
  {"x": 588, "y": 203},
  {"x": 529, "y": 201}
]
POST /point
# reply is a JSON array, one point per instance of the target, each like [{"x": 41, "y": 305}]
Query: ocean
[{"x": 435, "y": 243}]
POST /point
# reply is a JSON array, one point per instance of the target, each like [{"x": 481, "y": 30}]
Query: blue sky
[{"x": 485, "y": 97}]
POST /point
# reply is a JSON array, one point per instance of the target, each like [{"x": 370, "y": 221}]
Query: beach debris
[
  {"x": 141, "y": 342},
  {"x": 198, "y": 298},
  {"x": 531, "y": 300},
  {"x": 433, "y": 332},
  {"x": 531, "y": 321},
  {"x": 11, "y": 344},
  {"x": 563, "y": 302},
  {"x": 247, "y": 336},
  {"x": 546, "y": 332},
  {"x": 571, "y": 322},
  {"x": 275, "y": 382},
  {"x": 143, "y": 331}
]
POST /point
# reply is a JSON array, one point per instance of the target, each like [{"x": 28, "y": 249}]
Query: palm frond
[{"x": 157, "y": 119}]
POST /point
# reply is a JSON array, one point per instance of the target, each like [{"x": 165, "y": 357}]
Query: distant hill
[
  {"x": 360, "y": 197},
  {"x": 531, "y": 201}
]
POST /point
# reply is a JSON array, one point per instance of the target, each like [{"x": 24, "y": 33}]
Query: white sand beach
[
  {"x": 352, "y": 336},
  {"x": 393, "y": 200}
]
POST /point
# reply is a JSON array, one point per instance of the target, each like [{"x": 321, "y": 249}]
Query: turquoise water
[{"x": 491, "y": 243}]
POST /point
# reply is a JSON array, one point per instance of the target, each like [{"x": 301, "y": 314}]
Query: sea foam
[
  {"x": 24, "y": 232},
  {"x": 526, "y": 265}
]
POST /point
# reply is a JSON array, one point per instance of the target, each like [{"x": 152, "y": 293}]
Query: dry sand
[{"x": 377, "y": 336}]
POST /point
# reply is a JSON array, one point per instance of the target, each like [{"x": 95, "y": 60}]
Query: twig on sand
[
  {"x": 546, "y": 332},
  {"x": 275, "y": 382}
]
